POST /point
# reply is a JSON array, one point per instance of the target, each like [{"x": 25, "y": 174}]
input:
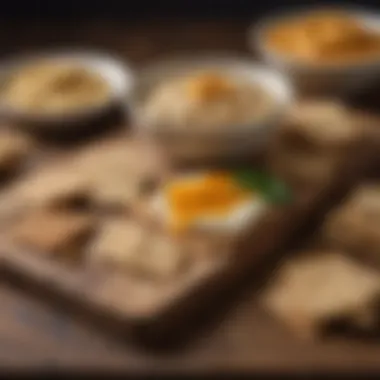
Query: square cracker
[
  {"x": 355, "y": 225},
  {"x": 118, "y": 170},
  {"x": 320, "y": 288},
  {"x": 124, "y": 244},
  {"x": 52, "y": 232}
]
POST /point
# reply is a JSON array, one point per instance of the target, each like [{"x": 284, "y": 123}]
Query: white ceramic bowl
[
  {"x": 239, "y": 139},
  {"x": 119, "y": 77},
  {"x": 347, "y": 79}
]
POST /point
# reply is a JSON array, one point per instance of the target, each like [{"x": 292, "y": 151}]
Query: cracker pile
[{"x": 87, "y": 209}]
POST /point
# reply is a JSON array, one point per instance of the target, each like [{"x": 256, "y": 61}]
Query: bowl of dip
[
  {"x": 209, "y": 106},
  {"x": 329, "y": 51},
  {"x": 62, "y": 88}
]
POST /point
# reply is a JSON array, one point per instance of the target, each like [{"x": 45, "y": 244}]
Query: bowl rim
[
  {"x": 257, "y": 29},
  {"x": 220, "y": 57},
  {"x": 124, "y": 70}
]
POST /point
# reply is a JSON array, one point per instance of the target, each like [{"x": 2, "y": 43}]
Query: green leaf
[{"x": 271, "y": 188}]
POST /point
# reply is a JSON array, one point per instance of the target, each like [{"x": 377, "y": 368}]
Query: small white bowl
[
  {"x": 334, "y": 79},
  {"x": 239, "y": 139},
  {"x": 118, "y": 75}
]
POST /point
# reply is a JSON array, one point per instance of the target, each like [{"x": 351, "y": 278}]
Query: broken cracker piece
[
  {"x": 355, "y": 225},
  {"x": 320, "y": 288},
  {"x": 319, "y": 125},
  {"x": 52, "y": 232},
  {"x": 117, "y": 244},
  {"x": 14, "y": 148},
  {"x": 54, "y": 186},
  {"x": 114, "y": 191},
  {"x": 125, "y": 245},
  {"x": 164, "y": 256}
]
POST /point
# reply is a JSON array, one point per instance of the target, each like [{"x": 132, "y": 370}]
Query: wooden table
[{"x": 34, "y": 335}]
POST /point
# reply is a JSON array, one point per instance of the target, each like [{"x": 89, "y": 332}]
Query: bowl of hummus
[
  {"x": 63, "y": 87},
  {"x": 210, "y": 107}
]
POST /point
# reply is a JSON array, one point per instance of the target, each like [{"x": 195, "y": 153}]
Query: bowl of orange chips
[{"x": 323, "y": 51}]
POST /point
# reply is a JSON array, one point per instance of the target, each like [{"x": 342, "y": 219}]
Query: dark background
[
  {"x": 138, "y": 30},
  {"x": 141, "y": 9}
]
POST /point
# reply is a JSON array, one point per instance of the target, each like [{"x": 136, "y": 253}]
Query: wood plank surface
[
  {"x": 33, "y": 335},
  {"x": 242, "y": 339}
]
